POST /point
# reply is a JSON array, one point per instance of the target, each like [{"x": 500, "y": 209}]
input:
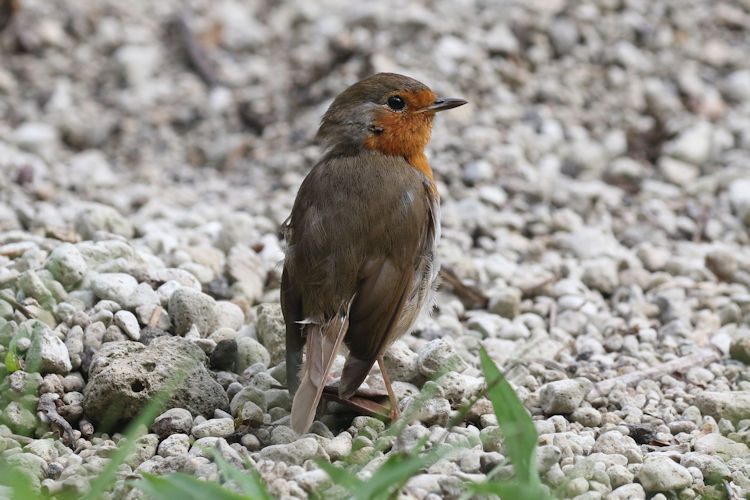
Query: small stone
[
  {"x": 248, "y": 394},
  {"x": 250, "y": 352},
  {"x": 501, "y": 40},
  {"x": 739, "y": 197},
  {"x": 229, "y": 315},
  {"x": 278, "y": 398},
  {"x": 113, "y": 286},
  {"x": 73, "y": 382},
  {"x": 693, "y": 144},
  {"x": 340, "y": 446},
  {"x": 722, "y": 263},
  {"x": 47, "y": 353},
  {"x": 633, "y": 491},
  {"x": 601, "y": 275},
  {"x": 217, "y": 427},
  {"x": 716, "y": 444},
  {"x": 174, "y": 445},
  {"x": 547, "y": 456},
  {"x": 20, "y": 420},
  {"x": 487, "y": 324},
  {"x": 736, "y": 86},
  {"x": 67, "y": 265},
  {"x": 434, "y": 411},
  {"x": 202, "y": 447},
  {"x": 224, "y": 355},
  {"x": 712, "y": 468},
  {"x": 98, "y": 217},
  {"x": 237, "y": 228},
  {"x": 40, "y": 138},
  {"x": 138, "y": 63},
  {"x": 188, "y": 307},
  {"x": 677, "y": 172},
  {"x": 32, "y": 286},
  {"x": 505, "y": 302},
  {"x": 272, "y": 331},
  {"x": 401, "y": 362},
  {"x": 245, "y": 267},
  {"x": 250, "y": 414},
  {"x": 295, "y": 453},
  {"x": 281, "y": 434},
  {"x": 564, "y": 35},
  {"x": 661, "y": 474},
  {"x": 619, "y": 475},
  {"x": 128, "y": 323},
  {"x": 251, "y": 442},
  {"x": 145, "y": 448},
  {"x": 587, "y": 416},
  {"x": 173, "y": 421},
  {"x": 733, "y": 405},
  {"x": 29, "y": 467},
  {"x": 113, "y": 334},
  {"x": 144, "y": 301},
  {"x": 615, "y": 443},
  {"x": 439, "y": 356},
  {"x": 563, "y": 396},
  {"x": 576, "y": 486}
]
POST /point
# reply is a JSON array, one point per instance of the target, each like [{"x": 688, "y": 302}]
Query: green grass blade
[
  {"x": 340, "y": 476},
  {"x": 18, "y": 483},
  {"x": 518, "y": 429},
  {"x": 180, "y": 486},
  {"x": 395, "y": 472},
  {"x": 249, "y": 481},
  {"x": 509, "y": 490}
]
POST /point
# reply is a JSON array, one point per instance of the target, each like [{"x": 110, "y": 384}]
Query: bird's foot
[{"x": 366, "y": 401}]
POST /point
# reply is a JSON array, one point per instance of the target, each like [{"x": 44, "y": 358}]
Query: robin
[{"x": 362, "y": 238}]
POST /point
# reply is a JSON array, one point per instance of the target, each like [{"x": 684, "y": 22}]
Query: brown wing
[
  {"x": 355, "y": 232},
  {"x": 375, "y": 311}
]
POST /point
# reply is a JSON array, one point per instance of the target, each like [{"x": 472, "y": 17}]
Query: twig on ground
[
  {"x": 154, "y": 320},
  {"x": 733, "y": 491},
  {"x": 532, "y": 290},
  {"x": 552, "y": 315},
  {"x": 702, "y": 358},
  {"x": 196, "y": 55},
  {"x": 471, "y": 295},
  {"x": 7, "y": 296}
]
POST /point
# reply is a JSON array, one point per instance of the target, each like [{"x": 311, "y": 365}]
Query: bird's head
[{"x": 385, "y": 112}]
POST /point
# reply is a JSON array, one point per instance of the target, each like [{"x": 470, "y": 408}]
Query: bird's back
[{"x": 348, "y": 210}]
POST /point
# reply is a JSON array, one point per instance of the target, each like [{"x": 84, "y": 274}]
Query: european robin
[{"x": 362, "y": 237}]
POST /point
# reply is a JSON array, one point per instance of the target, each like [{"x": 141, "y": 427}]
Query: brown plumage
[{"x": 362, "y": 236}]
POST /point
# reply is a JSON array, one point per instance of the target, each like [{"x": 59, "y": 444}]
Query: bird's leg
[{"x": 391, "y": 395}]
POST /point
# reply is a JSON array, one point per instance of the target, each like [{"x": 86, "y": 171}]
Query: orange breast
[{"x": 404, "y": 134}]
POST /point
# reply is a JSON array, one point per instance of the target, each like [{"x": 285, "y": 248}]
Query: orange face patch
[{"x": 405, "y": 133}]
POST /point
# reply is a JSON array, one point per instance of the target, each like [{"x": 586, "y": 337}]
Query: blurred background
[
  {"x": 633, "y": 102},
  {"x": 596, "y": 190}
]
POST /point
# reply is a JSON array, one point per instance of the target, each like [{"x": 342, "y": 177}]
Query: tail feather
[{"x": 323, "y": 342}]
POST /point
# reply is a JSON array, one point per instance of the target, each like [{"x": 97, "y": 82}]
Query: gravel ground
[{"x": 596, "y": 189}]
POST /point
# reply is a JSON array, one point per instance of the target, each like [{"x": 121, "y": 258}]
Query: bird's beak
[{"x": 443, "y": 103}]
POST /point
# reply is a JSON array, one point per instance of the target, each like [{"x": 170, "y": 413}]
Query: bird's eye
[{"x": 396, "y": 102}]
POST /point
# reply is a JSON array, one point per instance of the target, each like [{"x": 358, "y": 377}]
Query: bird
[{"x": 360, "y": 263}]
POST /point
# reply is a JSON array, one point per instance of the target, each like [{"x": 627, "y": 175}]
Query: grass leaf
[
  {"x": 340, "y": 476},
  {"x": 518, "y": 429},
  {"x": 395, "y": 472},
  {"x": 249, "y": 481},
  {"x": 178, "y": 486},
  {"x": 509, "y": 490}
]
